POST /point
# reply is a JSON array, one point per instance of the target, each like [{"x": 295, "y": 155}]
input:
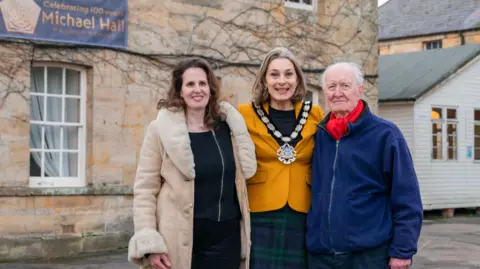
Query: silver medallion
[{"x": 286, "y": 154}]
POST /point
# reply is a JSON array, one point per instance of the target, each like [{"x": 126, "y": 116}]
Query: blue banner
[{"x": 89, "y": 22}]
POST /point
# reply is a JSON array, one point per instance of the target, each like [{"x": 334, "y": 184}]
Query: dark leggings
[{"x": 216, "y": 244}]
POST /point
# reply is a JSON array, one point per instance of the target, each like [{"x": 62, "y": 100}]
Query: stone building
[
  {"x": 66, "y": 177},
  {"x": 411, "y": 25}
]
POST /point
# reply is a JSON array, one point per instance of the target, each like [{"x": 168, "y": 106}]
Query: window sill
[
  {"x": 68, "y": 191},
  {"x": 299, "y": 6}
]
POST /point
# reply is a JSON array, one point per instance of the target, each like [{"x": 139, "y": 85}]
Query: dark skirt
[
  {"x": 278, "y": 240},
  {"x": 216, "y": 244}
]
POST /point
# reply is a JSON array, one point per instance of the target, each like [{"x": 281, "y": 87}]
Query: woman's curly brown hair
[{"x": 175, "y": 102}]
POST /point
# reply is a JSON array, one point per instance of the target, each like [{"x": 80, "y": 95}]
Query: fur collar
[{"x": 174, "y": 137}]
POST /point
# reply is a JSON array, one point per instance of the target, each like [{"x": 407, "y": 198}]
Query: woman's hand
[{"x": 159, "y": 261}]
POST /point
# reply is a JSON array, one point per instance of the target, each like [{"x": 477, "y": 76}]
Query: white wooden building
[{"x": 434, "y": 98}]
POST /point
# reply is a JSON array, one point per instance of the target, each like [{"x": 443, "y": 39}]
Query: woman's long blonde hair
[{"x": 260, "y": 91}]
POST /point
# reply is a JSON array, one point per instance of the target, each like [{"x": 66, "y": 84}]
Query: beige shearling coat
[{"x": 164, "y": 189}]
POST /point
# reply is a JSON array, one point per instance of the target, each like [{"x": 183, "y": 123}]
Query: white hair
[{"x": 355, "y": 68}]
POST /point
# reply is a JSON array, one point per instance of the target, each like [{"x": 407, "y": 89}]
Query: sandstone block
[
  {"x": 106, "y": 174},
  {"x": 99, "y": 157},
  {"x": 119, "y": 221},
  {"x": 65, "y": 246},
  {"x": 4, "y": 153},
  {"x": 13, "y": 129},
  {"x": 133, "y": 135},
  {"x": 472, "y": 38},
  {"x": 105, "y": 242},
  {"x": 93, "y": 222},
  {"x": 14, "y": 175},
  {"x": 70, "y": 201},
  {"x": 217, "y": 4},
  {"x": 154, "y": 16},
  {"x": 117, "y": 203},
  {"x": 12, "y": 203},
  {"x": 133, "y": 113},
  {"x": 20, "y": 151},
  {"x": 180, "y": 23},
  {"x": 129, "y": 172},
  {"x": 451, "y": 42}
]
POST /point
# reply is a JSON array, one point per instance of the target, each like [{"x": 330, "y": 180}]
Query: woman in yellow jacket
[{"x": 282, "y": 127}]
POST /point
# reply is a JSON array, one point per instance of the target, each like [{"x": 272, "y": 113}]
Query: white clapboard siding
[
  {"x": 402, "y": 116},
  {"x": 449, "y": 184}
]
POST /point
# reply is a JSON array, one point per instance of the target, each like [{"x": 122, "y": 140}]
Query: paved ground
[
  {"x": 444, "y": 244},
  {"x": 452, "y": 244},
  {"x": 112, "y": 261}
]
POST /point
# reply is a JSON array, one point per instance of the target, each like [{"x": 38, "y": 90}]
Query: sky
[{"x": 381, "y": 2}]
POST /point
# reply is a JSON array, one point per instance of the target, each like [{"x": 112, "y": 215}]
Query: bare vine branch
[{"x": 236, "y": 43}]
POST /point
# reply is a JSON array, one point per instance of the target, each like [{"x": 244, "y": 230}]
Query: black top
[
  {"x": 286, "y": 122},
  {"x": 215, "y": 192}
]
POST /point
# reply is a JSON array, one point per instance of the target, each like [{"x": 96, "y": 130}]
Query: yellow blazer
[{"x": 275, "y": 183}]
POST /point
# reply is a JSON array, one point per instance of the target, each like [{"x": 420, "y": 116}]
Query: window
[
  {"x": 57, "y": 126},
  {"x": 444, "y": 133},
  {"x": 476, "y": 135},
  {"x": 437, "y": 133},
  {"x": 300, "y": 4},
  {"x": 451, "y": 134},
  {"x": 312, "y": 95},
  {"x": 431, "y": 45},
  {"x": 309, "y": 96}
]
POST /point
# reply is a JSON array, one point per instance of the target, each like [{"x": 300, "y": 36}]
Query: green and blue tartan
[{"x": 278, "y": 239}]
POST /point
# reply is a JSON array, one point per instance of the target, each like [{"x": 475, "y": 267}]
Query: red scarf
[{"x": 338, "y": 127}]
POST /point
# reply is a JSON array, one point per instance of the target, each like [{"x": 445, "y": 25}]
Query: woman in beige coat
[{"x": 190, "y": 204}]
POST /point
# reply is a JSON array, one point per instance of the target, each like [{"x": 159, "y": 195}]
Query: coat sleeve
[
  {"x": 245, "y": 143},
  {"x": 147, "y": 185},
  {"x": 246, "y": 148},
  {"x": 407, "y": 209}
]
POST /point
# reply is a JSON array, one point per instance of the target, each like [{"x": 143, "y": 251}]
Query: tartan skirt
[{"x": 278, "y": 239}]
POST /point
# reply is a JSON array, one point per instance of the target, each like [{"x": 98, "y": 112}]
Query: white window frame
[
  {"x": 441, "y": 122},
  {"x": 438, "y": 43},
  {"x": 314, "y": 96},
  {"x": 475, "y": 123},
  {"x": 80, "y": 180},
  {"x": 310, "y": 7},
  {"x": 444, "y": 121}
]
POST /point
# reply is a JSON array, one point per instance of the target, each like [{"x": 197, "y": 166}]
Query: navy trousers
[{"x": 376, "y": 258}]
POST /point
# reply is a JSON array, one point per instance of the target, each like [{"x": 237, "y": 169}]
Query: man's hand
[
  {"x": 400, "y": 263},
  {"x": 159, "y": 261}
]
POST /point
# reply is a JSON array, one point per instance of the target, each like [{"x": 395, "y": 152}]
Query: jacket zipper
[
  {"x": 331, "y": 195},
  {"x": 333, "y": 181},
  {"x": 221, "y": 182}
]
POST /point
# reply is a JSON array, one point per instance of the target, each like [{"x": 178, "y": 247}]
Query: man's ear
[{"x": 361, "y": 89}]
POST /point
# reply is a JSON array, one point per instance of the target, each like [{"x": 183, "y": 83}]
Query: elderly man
[{"x": 366, "y": 210}]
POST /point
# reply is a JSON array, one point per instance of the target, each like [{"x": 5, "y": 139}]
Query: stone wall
[
  {"x": 239, "y": 33},
  {"x": 417, "y": 43},
  {"x": 48, "y": 223},
  {"x": 14, "y": 115}
]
